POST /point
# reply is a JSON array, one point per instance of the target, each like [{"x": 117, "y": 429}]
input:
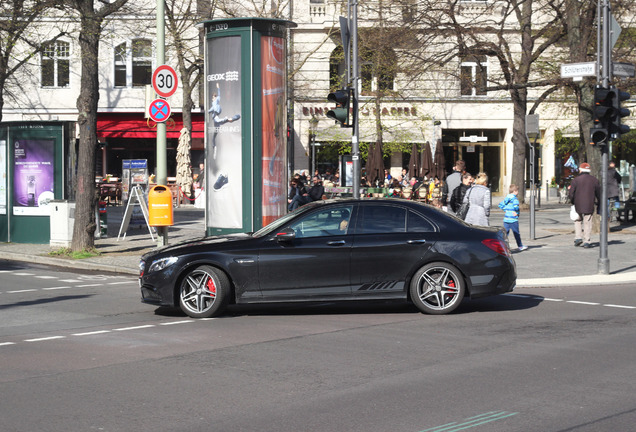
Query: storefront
[{"x": 131, "y": 136}]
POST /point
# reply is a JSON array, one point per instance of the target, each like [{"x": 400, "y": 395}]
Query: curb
[{"x": 67, "y": 263}]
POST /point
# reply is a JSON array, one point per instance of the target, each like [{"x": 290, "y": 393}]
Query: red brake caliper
[
  {"x": 451, "y": 283},
  {"x": 210, "y": 286}
]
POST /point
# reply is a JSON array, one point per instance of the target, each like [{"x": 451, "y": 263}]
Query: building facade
[{"x": 445, "y": 105}]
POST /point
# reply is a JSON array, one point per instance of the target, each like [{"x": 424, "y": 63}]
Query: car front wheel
[
  {"x": 437, "y": 288},
  {"x": 203, "y": 292}
]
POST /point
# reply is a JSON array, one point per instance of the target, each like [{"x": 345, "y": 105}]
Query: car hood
[{"x": 203, "y": 241}]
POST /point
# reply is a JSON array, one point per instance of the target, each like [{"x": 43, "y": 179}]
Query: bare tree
[
  {"x": 91, "y": 15},
  {"x": 17, "y": 44}
]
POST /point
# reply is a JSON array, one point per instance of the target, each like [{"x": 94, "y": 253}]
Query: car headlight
[{"x": 161, "y": 264}]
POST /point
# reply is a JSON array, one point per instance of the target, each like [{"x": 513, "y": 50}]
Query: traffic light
[
  {"x": 601, "y": 115},
  {"x": 616, "y": 129},
  {"x": 340, "y": 113},
  {"x": 598, "y": 135}
]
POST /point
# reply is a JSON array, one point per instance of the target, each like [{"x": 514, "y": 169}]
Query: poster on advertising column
[
  {"x": 274, "y": 114},
  {"x": 223, "y": 170},
  {"x": 33, "y": 176}
]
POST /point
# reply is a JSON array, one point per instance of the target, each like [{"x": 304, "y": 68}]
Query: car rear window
[{"x": 379, "y": 219}]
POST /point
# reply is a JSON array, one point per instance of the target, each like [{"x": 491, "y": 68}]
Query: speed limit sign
[{"x": 164, "y": 81}]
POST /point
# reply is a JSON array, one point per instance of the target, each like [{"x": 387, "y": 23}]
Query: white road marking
[
  {"x": 583, "y": 303},
  {"x": 91, "y": 333},
  {"x": 6, "y": 343},
  {"x": 45, "y": 339},
  {"x": 56, "y": 288},
  {"x": 24, "y": 274},
  {"x": 134, "y": 328},
  {"x": 21, "y": 291},
  {"x": 87, "y": 285},
  {"x": 70, "y": 280},
  {"x": 119, "y": 283},
  {"x": 620, "y": 306},
  {"x": 46, "y": 277},
  {"x": 176, "y": 322},
  {"x": 554, "y": 300}
]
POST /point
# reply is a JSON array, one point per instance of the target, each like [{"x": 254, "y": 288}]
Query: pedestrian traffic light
[
  {"x": 616, "y": 129},
  {"x": 340, "y": 113}
]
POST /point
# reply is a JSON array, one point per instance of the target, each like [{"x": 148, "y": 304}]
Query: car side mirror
[{"x": 286, "y": 235}]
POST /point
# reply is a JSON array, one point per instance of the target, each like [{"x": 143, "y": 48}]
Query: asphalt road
[{"x": 78, "y": 352}]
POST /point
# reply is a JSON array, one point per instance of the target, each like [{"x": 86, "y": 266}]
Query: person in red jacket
[{"x": 585, "y": 191}]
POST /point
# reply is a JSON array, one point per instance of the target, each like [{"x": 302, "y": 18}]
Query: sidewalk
[{"x": 551, "y": 258}]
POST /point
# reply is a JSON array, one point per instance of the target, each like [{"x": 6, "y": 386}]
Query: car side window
[
  {"x": 331, "y": 221},
  {"x": 379, "y": 219},
  {"x": 418, "y": 223}
]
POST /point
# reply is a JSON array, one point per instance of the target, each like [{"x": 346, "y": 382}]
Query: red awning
[{"x": 111, "y": 125}]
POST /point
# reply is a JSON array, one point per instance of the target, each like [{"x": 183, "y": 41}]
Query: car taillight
[{"x": 498, "y": 246}]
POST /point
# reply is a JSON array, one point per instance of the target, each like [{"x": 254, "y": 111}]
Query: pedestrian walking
[
  {"x": 614, "y": 180},
  {"x": 479, "y": 199},
  {"x": 585, "y": 191},
  {"x": 510, "y": 206}
]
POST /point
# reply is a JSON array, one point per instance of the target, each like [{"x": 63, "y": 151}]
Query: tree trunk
[
  {"x": 86, "y": 193},
  {"x": 519, "y": 141}
]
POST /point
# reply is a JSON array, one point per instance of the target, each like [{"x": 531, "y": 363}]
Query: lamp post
[{"x": 313, "y": 127}]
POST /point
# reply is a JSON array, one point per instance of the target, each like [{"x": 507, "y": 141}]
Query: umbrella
[
  {"x": 375, "y": 164},
  {"x": 427, "y": 160},
  {"x": 439, "y": 161},
  {"x": 414, "y": 162},
  {"x": 184, "y": 168}
]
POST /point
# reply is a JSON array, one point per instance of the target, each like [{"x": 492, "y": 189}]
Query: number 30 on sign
[{"x": 164, "y": 81}]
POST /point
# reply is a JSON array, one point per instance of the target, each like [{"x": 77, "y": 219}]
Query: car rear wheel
[
  {"x": 203, "y": 292},
  {"x": 437, "y": 288}
]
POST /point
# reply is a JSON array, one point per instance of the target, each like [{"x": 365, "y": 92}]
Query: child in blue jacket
[{"x": 510, "y": 205}]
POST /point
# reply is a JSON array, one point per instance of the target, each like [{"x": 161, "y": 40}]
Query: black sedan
[{"x": 335, "y": 250}]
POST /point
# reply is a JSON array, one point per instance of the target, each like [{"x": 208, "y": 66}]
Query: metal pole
[
  {"x": 355, "y": 145},
  {"x": 162, "y": 159},
  {"x": 603, "y": 260},
  {"x": 532, "y": 188},
  {"x": 313, "y": 154}
]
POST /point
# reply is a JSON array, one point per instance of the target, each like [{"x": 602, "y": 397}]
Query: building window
[
  {"x": 133, "y": 63},
  {"x": 474, "y": 75},
  {"x": 377, "y": 70},
  {"x": 56, "y": 59}
]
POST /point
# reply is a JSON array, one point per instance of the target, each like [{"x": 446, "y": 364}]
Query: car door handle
[
  {"x": 421, "y": 241},
  {"x": 336, "y": 243}
]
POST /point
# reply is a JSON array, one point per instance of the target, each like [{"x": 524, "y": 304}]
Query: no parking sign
[{"x": 159, "y": 110}]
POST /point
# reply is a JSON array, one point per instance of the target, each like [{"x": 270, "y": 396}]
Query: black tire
[
  {"x": 437, "y": 288},
  {"x": 204, "y": 292}
]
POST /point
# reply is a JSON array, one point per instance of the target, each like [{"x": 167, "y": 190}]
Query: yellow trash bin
[{"x": 160, "y": 206}]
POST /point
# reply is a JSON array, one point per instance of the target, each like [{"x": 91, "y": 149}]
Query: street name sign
[
  {"x": 159, "y": 110},
  {"x": 164, "y": 81},
  {"x": 575, "y": 70},
  {"x": 625, "y": 70}
]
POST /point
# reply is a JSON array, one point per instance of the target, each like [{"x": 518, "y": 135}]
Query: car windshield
[{"x": 282, "y": 221}]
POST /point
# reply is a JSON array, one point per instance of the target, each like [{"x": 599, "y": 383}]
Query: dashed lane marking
[
  {"x": 106, "y": 331},
  {"x": 21, "y": 291},
  {"x": 572, "y": 301}
]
